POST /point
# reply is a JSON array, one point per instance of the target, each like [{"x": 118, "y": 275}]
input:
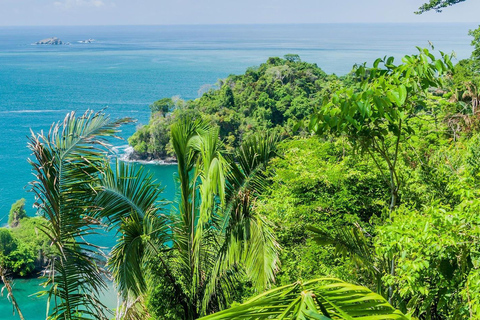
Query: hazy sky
[{"x": 127, "y": 12}]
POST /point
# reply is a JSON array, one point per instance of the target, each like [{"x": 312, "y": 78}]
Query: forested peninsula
[{"x": 272, "y": 97}]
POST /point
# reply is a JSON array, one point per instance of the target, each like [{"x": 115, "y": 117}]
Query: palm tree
[
  {"x": 67, "y": 163},
  {"x": 211, "y": 240},
  {"x": 321, "y": 299},
  {"x": 205, "y": 248}
]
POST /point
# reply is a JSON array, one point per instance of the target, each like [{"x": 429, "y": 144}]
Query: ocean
[{"x": 129, "y": 67}]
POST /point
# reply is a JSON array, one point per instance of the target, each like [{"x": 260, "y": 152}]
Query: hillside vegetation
[{"x": 273, "y": 97}]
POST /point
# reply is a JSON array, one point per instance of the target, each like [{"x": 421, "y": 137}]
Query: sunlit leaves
[
  {"x": 437, "y": 5},
  {"x": 436, "y": 251},
  {"x": 375, "y": 113},
  {"x": 325, "y": 298},
  {"x": 67, "y": 165}
]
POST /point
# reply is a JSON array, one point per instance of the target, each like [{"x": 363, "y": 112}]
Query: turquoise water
[{"x": 130, "y": 67}]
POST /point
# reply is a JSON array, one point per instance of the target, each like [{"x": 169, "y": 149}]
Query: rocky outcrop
[
  {"x": 131, "y": 155},
  {"x": 51, "y": 41},
  {"x": 87, "y": 41},
  {"x": 147, "y": 157}
]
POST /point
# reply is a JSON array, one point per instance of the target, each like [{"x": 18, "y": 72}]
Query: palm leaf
[
  {"x": 67, "y": 165},
  {"x": 249, "y": 242},
  {"x": 325, "y": 298},
  {"x": 351, "y": 242},
  {"x": 7, "y": 284},
  {"x": 129, "y": 200}
]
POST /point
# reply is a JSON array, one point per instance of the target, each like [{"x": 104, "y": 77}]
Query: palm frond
[
  {"x": 133, "y": 310},
  {"x": 245, "y": 184},
  {"x": 67, "y": 164},
  {"x": 325, "y": 298},
  {"x": 7, "y": 284},
  {"x": 351, "y": 242},
  {"x": 248, "y": 242},
  {"x": 129, "y": 199}
]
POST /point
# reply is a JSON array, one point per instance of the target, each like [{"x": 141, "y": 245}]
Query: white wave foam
[{"x": 124, "y": 153}]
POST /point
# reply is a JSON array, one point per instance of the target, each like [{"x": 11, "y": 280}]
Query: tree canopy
[{"x": 437, "y": 5}]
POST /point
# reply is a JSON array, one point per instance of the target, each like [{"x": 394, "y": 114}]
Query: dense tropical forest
[{"x": 300, "y": 195}]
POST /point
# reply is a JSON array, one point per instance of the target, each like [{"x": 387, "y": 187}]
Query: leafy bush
[
  {"x": 436, "y": 253},
  {"x": 319, "y": 183}
]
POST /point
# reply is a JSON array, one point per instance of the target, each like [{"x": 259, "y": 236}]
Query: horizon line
[{"x": 238, "y": 24}]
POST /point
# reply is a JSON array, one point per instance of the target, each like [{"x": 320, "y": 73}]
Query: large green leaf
[
  {"x": 67, "y": 165},
  {"x": 325, "y": 298},
  {"x": 129, "y": 199}
]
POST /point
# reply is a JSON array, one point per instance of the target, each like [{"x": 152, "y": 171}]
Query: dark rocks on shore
[{"x": 148, "y": 157}]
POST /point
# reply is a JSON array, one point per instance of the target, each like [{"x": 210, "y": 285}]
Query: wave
[
  {"x": 124, "y": 153},
  {"x": 150, "y": 162}
]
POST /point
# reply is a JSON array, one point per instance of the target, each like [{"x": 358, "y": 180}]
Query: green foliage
[
  {"x": 163, "y": 301},
  {"x": 15, "y": 255},
  {"x": 163, "y": 106},
  {"x": 437, "y": 5},
  {"x": 436, "y": 252},
  {"x": 391, "y": 115},
  {"x": 273, "y": 96},
  {"x": 466, "y": 86},
  {"x": 17, "y": 212},
  {"x": 319, "y": 183},
  {"x": 7, "y": 243},
  {"x": 153, "y": 138},
  {"x": 67, "y": 164},
  {"x": 292, "y": 57},
  {"x": 321, "y": 299},
  {"x": 475, "y": 33},
  {"x": 375, "y": 115},
  {"x": 29, "y": 234},
  {"x": 23, "y": 247}
]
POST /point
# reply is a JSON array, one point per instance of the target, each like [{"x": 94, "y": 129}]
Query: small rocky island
[
  {"x": 51, "y": 41},
  {"x": 87, "y": 41}
]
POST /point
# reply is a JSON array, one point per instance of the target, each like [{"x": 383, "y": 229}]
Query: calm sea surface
[{"x": 127, "y": 68}]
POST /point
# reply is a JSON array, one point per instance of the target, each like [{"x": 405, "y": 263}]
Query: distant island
[
  {"x": 86, "y": 41},
  {"x": 51, "y": 41}
]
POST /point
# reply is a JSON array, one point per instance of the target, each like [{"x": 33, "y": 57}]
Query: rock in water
[
  {"x": 52, "y": 41},
  {"x": 87, "y": 41}
]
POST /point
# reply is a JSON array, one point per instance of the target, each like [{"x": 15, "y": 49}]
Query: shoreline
[
  {"x": 160, "y": 162},
  {"x": 129, "y": 155}
]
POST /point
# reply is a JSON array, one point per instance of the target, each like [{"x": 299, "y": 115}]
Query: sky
[{"x": 168, "y": 12}]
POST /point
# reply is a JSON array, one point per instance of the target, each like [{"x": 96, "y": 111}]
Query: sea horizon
[{"x": 244, "y": 24}]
